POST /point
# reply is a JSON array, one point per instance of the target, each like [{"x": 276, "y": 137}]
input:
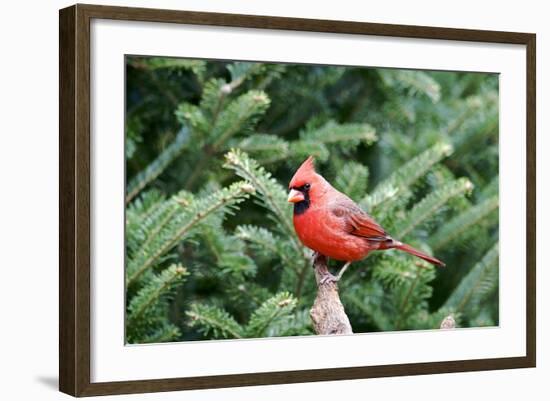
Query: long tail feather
[{"x": 417, "y": 253}]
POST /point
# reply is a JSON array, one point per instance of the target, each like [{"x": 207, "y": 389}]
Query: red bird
[{"x": 330, "y": 223}]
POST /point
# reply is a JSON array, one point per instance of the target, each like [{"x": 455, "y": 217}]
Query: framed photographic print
[{"x": 250, "y": 200}]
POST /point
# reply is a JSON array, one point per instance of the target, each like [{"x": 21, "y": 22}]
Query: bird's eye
[{"x": 307, "y": 186}]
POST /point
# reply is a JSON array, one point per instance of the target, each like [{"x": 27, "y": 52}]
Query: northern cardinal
[{"x": 330, "y": 223}]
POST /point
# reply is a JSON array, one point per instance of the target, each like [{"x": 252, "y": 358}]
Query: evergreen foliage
[{"x": 211, "y": 251}]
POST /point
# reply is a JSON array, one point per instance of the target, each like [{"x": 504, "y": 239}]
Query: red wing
[
  {"x": 364, "y": 226},
  {"x": 360, "y": 223}
]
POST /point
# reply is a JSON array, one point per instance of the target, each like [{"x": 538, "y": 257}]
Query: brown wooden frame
[{"x": 74, "y": 199}]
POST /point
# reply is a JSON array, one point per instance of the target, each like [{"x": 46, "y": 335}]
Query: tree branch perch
[{"x": 327, "y": 313}]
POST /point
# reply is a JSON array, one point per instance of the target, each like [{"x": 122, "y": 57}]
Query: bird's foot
[{"x": 328, "y": 278}]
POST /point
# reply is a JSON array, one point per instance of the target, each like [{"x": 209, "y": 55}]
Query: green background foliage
[{"x": 210, "y": 148}]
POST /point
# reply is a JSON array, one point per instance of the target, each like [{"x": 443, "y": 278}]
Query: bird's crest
[{"x": 305, "y": 173}]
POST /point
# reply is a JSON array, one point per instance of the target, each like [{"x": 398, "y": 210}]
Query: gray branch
[{"x": 327, "y": 313}]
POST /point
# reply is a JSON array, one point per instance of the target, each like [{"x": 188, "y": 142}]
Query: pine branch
[
  {"x": 483, "y": 316},
  {"x": 160, "y": 286},
  {"x": 299, "y": 150},
  {"x": 155, "y": 168},
  {"x": 274, "y": 309},
  {"x": 369, "y": 300},
  {"x": 273, "y": 197},
  {"x": 270, "y": 74},
  {"x": 472, "y": 106},
  {"x": 392, "y": 272},
  {"x": 192, "y": 116},
  {"x": 490, "y": 189},
  {"x": 268, "y": 190},
  {"x": 477, "y": 284},
  {"x": 152, "y": 225},
  {"x": 348, "y": 136},
  {"x": 399, "y": 181},
  {"x": 405, "y": 302},
  {"x": 181, "y": 225},
  {"x": 213, "y": 320},
  {"x": 137, "y": 212},
  {"x": 463, "y": 222},
  {"x": 414, "y": 81},
  {"x": 165, "y": 333},
  {"x": 296, "y": 324},
  {"x": 352, "y": 180},
  {"x": 216, "y": 91},
  {"x": 265, "y": 241},
  {"x": 229, "y": 251},
  {"x": 214, "y": 96},
  {"x": 141, "y": 230},
  {"x": 264, "y": 148},
  {"x": 316, "y": 141},
  {"x": 406, "y": 285},
  {"x": 241, "y": 71},
  {"x": 243, "y": 296},
  {"x": 156, "y": 63},
  {"x": 428, "y": 206},
  {"x": 239, "y": 116},
  {"x": 144, "y": 205}
]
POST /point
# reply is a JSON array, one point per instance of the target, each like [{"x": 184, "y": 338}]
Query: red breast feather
[{"x": 321, "y": 231}]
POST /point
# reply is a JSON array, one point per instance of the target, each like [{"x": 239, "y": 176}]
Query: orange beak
[{"x": 295, "y": 196}]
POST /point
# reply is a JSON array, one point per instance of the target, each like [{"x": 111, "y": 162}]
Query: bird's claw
[{"x": 328, "y": 278}]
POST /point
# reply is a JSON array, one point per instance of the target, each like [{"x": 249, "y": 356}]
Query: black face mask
[{"x": 302, "y": 206}]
